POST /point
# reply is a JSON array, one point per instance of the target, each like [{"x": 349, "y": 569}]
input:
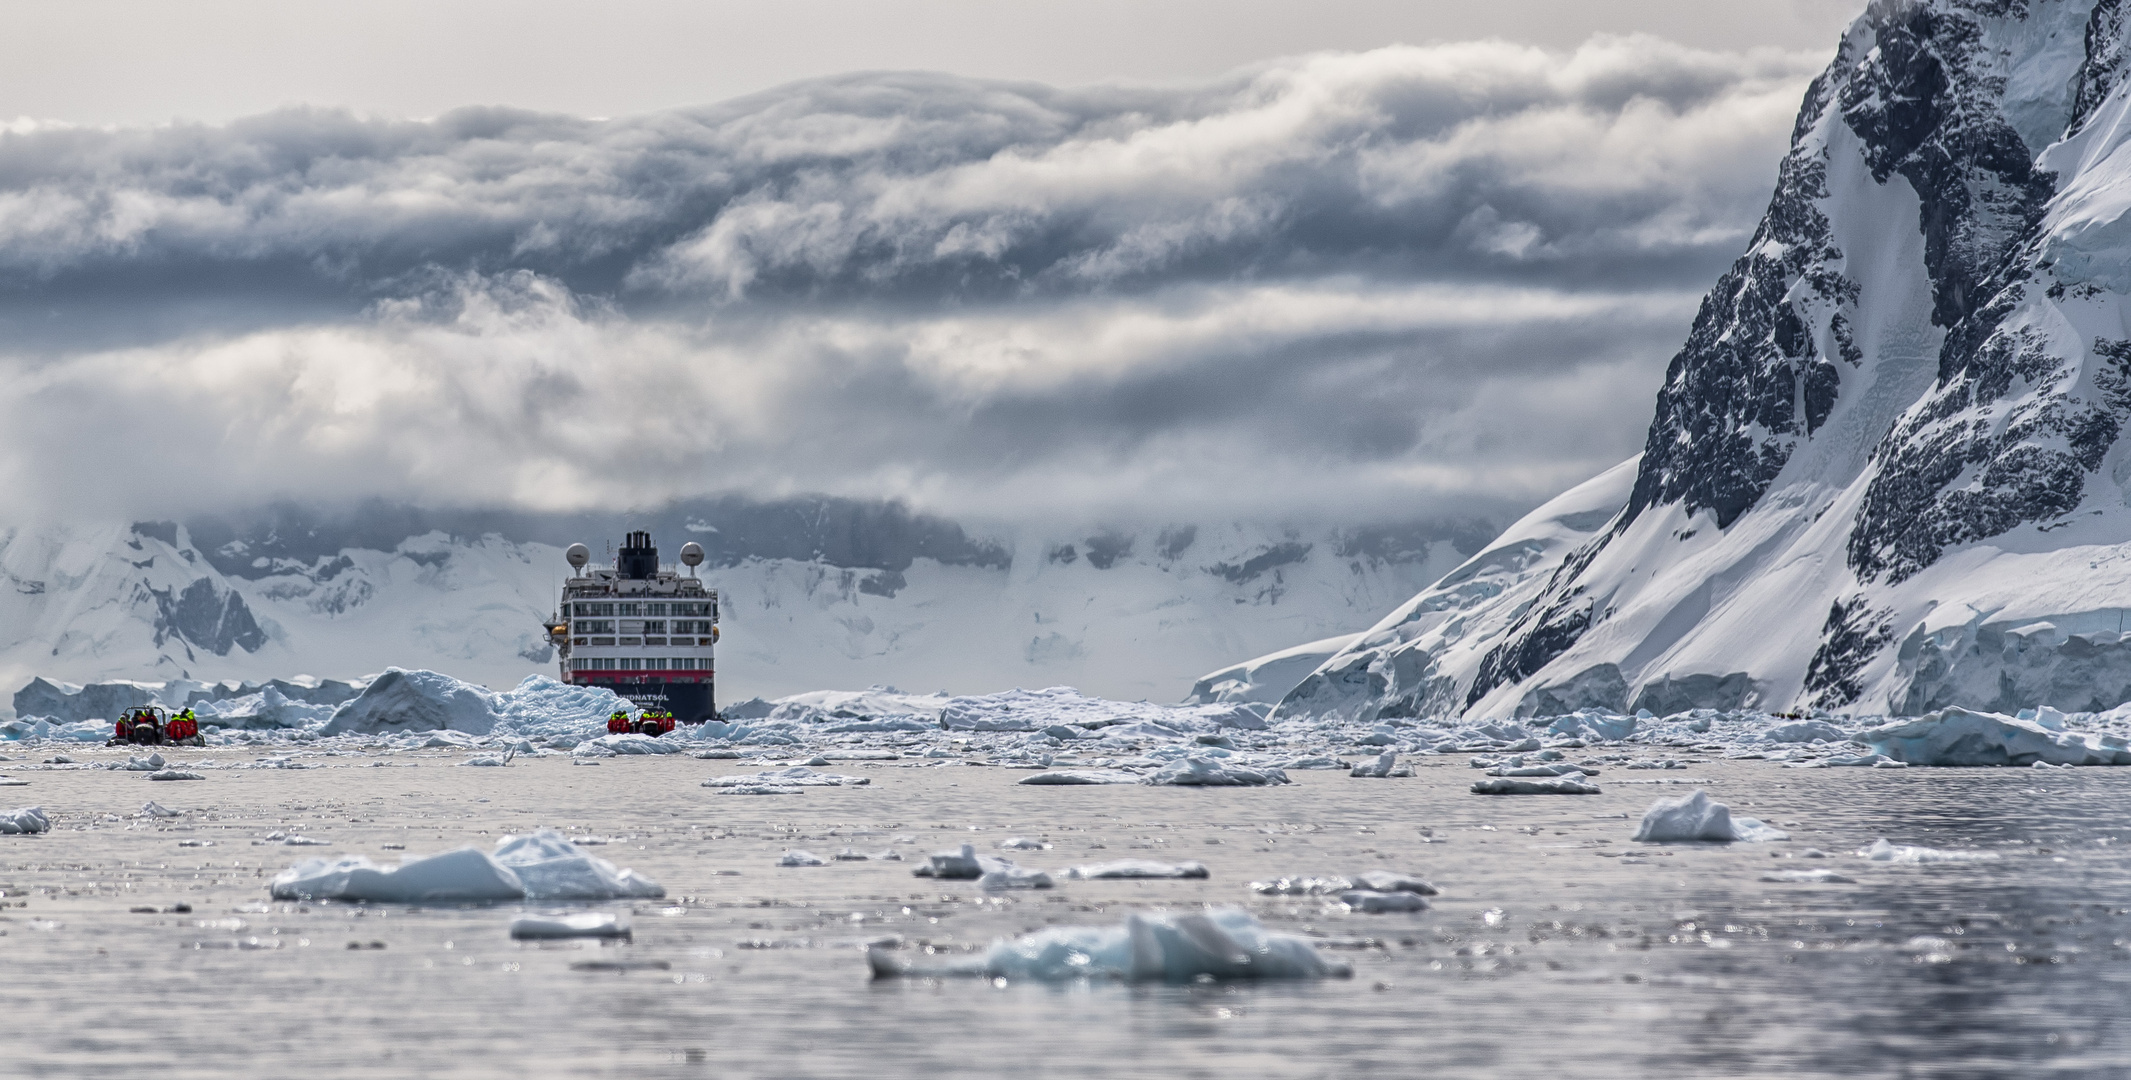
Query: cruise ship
[{"x": 642, "y": 630}]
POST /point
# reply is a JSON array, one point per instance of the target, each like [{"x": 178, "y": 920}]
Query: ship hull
[{"x": 689, "y": 702}]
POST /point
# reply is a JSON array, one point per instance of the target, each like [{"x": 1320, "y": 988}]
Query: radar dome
[
  {"x": 691, "y": 554},
  {"x": 579, "y": 555}
]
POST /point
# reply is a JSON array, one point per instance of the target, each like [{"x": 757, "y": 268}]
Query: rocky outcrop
[{"x": 1885, "y": 472}]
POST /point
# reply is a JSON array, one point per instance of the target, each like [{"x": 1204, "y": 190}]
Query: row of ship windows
[
  {"x": 640, "y": 626},
  {"x": 684, "y": 642},
  {"x": 584, "y": 608},
  {"x": 641, "y": 663}
]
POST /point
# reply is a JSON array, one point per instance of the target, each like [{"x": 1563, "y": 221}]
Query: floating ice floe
[
  {"x": 1200, "y": 770},
  {"x": 1699, "y": 817},
  {"x": 1386, "y": 764},
  {"x": 1010, "y": 876},
  {"x": 151, "y": 763},
  {"x": 1808, "y": 877},
  {"x": 793, "y": 778},
  {"x": 1022, "y": 843},
  {"x": 1130, "y": 869},
  {"x": 1904, "y": 853},
  {"x": 489, "y": 761},
  {"x": 1373, "y": 881},
  {"x": 541, "y": 866},
  {"x": 1521, "y": 785},
  {"x": 153, "y": 809},
  {"x": 1540, "y": 769},
  {"x": 584, "y": 924},
  {"x": 629, "y": 744},
  {"x": 1371, "y": 902},
  {"x": 29, "y": 819},
  {"x": 855, "y": 855},
  {"x": 9, "y": 781},
  {"x": 1961, "y": 737},
  {"x": 796, "y": 857},
  {"x": 175, "y": 774},
  {"x": 1158, "y": 946},
  {"x": 1080, "y": 777}
]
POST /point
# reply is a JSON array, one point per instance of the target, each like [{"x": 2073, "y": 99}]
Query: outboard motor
[{"x": 639, "y": 560}]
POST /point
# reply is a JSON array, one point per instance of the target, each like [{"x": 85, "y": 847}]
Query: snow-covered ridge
[{"x": 1885, "y": 473}]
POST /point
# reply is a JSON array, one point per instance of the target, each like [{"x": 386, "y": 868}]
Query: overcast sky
[{"x": 1078, "y": 261}]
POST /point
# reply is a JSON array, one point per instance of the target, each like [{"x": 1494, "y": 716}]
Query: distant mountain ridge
[
  {"x": 818, "y": 592},
  {"x": 1886, "y": 471}
]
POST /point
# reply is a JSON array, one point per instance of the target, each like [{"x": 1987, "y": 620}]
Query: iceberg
[
  {"x": 1699, "y": 817},
  {"x": 403, "y": 700},
  {"x": 541, "y": 866},
  {"x": 553, "y": 868},
  {"x": 1958, "y": 737}
]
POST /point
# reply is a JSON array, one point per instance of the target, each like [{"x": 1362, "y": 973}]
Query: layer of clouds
[{"x": 1360, "y": 286}]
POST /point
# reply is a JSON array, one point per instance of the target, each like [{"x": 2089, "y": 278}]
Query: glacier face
[
  {"x": 817, "y": 592},
  {"x": 1885, "y": 472}
]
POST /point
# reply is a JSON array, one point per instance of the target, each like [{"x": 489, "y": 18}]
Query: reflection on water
[{"x": 1558, "y": 945}]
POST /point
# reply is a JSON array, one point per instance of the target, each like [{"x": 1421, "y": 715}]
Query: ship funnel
[
  {"x": 639, "y": 560},
  {"x": 691, "y": 555},
  {"x": 579, "y": 555}
]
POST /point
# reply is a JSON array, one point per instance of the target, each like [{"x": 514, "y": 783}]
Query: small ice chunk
[
  {"x": 1009, "y": 876},
  {"x": 304, "y": 841},
  {"x": 1904, "y": 853},
  {"x": 154, "y": 809},
  {"x": 175, "y": 774},
  {"x": 141, "y": 764},
  {"x": 855, "y": 855},
  {"x": 1075, "y": 777},
  {"x": 1808, "y": 877},
  {"x": 1021, "y": 843},
  {"x": 1522, "y": 785},
  {"x": 1699, "y": 817},
  {"x": 1158, "y": 946},
  {"x": 487, "y": 761},
  {"x": 1371, "y": 902},
  {"x": 796, "y": 857},
  {"x": 1386, "y": 881},
  {"x": 1301, "y": 886},
  {"x": 584, "y": 924},
  {"x": 29, "y": 819},
  {"x": 1131, "y": 869},
  {"x": 959, "y": 865}
]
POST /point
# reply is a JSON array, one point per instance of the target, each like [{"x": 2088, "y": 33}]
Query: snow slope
[
  {"x": 1885, "y": 472},
  {"x": 1124, "y": 616}
]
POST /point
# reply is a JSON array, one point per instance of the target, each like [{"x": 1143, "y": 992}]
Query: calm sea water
[{"x": 1558, "y": 947}]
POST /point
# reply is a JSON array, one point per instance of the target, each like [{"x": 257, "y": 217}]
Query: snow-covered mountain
[
  {"x": 816, "y": 593},
  {"x": 1886, "y": 471}
]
